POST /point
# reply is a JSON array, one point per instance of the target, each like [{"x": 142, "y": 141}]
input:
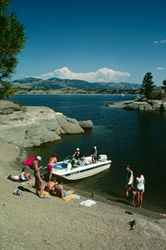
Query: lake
[{"x": 137, "y": 138}]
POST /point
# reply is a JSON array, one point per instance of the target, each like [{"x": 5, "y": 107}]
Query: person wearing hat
[
  {"x": 94, "y": 154},
  {"x": 77, "y": 155},
  {"x": 38, "y": 180}
]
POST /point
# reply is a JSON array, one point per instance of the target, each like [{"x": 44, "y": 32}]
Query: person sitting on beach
[
  {"x": 94, "y": 154},
  {"x": 53, "y": 187},
  {"x": 14, "y": 178},
  {"x": 52, "y": 160},
  {"x": 38, "y": 180},
  {"x": 25, "y": 176}
]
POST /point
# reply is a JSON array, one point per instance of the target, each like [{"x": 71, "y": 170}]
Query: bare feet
[{"x": 42, "y": 197}]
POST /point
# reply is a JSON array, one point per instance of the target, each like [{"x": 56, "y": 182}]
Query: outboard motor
[{"x": 102, "y": 157}]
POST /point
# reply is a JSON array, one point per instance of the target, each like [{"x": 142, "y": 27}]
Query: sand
[{"x": 28, "y": 222}]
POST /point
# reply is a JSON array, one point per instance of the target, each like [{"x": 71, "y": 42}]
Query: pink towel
[{"x": 29, "y": 161}]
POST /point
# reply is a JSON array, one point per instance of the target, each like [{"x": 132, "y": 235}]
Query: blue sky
[{"x": 94, "y": 40}]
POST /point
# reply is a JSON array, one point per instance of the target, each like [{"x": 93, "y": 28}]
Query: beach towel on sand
[
  {"x": 67, "y": 198},
  {"x": 16, "y": 180},
  {"x": 88, "y": 203}
]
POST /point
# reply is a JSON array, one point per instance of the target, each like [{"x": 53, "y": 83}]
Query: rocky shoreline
[
  {"x": 32, "y": 126},
  {"x": 140, "y": 105}
]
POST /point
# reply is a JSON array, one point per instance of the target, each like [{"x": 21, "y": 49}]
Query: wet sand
[{"x": 28, "y": 222}]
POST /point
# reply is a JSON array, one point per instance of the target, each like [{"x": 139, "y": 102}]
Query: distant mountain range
[{"x": 57, "y": 83}]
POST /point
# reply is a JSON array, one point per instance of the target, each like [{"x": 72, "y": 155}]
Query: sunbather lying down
[
  {"x": 23, "y": 176},
  {"x": 15, "y": 178},
  {"x": 57, "y": 189}
]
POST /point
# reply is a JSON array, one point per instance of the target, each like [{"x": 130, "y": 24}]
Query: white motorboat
[{"x": 72, "y": 169}]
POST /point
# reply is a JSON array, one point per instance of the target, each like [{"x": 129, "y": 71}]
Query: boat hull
[{"x": 83, "y": 172}]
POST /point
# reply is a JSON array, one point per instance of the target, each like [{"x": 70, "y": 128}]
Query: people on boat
[
  {"x": 57, "y": 189},
  {"x": 94, "y": 154},
  {"x": 129, "y": 180},
  {"x": 25, "y": 176},
  {"x": 77, "y": 156},
  {"x": 52, "y": 160},
  {"x": 38, "y": 180},
  {"x": 140, "y": 188}
]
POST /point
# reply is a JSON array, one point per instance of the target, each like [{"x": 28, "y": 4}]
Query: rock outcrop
[
  {"x": 33, "y": 126},
  {"x": 147, "y": 105}
]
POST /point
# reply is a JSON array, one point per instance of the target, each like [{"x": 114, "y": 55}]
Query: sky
[{"x": 93, "y": 40}]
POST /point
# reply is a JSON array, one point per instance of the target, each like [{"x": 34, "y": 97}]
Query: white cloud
[
  {"x": 160, "y": 42},
  {"x": 160, "y": 68},
  {"x": 101, "y": 75}
]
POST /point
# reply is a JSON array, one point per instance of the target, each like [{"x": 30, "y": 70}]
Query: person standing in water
[
  {"x": 140, "y": 188},
  {"x": 129, "y": 180}
]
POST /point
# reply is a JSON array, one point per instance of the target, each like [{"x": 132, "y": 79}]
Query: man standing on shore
[
  {"x": 129, "y": 180},
  {"x": 38, "y": 179}
]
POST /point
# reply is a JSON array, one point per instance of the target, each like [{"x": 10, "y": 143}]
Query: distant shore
[
  {"x": 30, "y": 222},
  {"x": 78, "y": 92}
]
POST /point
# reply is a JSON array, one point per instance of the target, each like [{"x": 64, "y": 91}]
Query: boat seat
[{"x": 64, "y": 165}]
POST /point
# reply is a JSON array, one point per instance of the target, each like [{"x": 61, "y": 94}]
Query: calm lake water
[{"x": 127, "y": 137}]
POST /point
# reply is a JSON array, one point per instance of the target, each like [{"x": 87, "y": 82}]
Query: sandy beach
[{"x": 28, "y": 222}]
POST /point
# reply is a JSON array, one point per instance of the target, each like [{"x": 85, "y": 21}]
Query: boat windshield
[
  {"x": 69, "y": 158},
  {"x": 73, "y": 161}
]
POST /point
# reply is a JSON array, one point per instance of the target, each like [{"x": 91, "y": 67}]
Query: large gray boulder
[
  {"x": 68, "y": 125},
  {"x": 33, "y": 126},
  {"x": 7, "y": 107},
  {"x": 156, "y": 104},
  {"x": 86, "y": 124},
  {"x": 138, "y": 106}
]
